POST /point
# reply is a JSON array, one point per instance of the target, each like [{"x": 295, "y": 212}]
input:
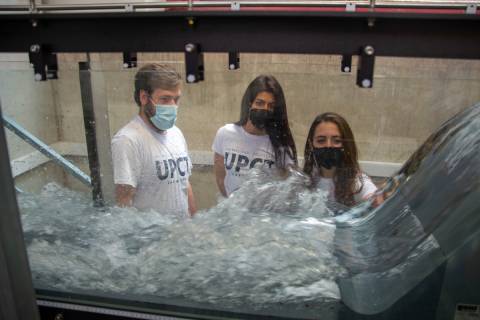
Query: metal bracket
[
  {"x": 33, "y": 7},
  {"x": 129, "y": 7},
  {"x": 44, "y": 62},
  {"x": 194, "y": 63},
  {"x": 366, "y": 63},
  {"x": 346, "y": 63},
  {"x": 45, "y": 149},
  {"x": 52, "y": 66},
  {"x": 471, "y": 9},
  {"x": 191, "y": 21},
  {"x": 235, "y": 6},
  {"x": 350, "y": 7},
  {"x": 233, "y": 60},
  {"x": 129, "y": 60}
]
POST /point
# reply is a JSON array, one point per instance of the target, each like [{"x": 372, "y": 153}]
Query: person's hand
[{"x": 376, "y": 199}]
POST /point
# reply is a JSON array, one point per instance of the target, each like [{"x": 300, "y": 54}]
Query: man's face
[
  {"x": 166, "y": 97},
  {"x": 159, "y": 96}
]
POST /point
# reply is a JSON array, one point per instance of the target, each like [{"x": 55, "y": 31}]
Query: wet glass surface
[{"x": 277, "y": 246}]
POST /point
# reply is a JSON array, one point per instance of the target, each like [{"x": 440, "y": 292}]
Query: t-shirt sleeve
[
  {"x": 217, "y": 145},
  {"x": 126, "y": 162},
  {"x": 368, "y": 187},
  {"x": 189, "y": 161}
]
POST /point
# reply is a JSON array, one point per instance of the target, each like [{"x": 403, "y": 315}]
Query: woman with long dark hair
[
  {"x": 261, "y": 137},
  {"x": 331, "y": 160}
]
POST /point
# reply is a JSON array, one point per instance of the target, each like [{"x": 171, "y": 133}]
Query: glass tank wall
[{"x": 278, "y": 246}]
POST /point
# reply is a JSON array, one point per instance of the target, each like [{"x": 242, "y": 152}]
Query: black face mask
[
  {"x": 328, "y": 157},
  {"x": 260, "y": 118}
]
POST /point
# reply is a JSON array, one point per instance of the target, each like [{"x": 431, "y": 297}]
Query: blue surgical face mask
[{"x": 165, "y": 116}]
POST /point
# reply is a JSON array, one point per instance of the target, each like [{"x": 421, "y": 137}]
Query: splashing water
[
  {"x": 268, "y": 243},
  {"x": 274, "y": 241}
]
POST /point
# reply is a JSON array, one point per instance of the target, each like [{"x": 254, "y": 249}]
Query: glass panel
[{"x": 284, "y": 243}]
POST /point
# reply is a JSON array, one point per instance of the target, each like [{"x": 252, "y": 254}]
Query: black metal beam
[
  {"x": 194, "y": 65},
  {"x": 233, "y": 60},
  {"x": 90, "y": 132},
  {"x": 366, "y": 64},
  {"x": 16, "y": 289},
  {"x": 402, "y": 35},
  {"x": 346, "y": 64},
  {"x": 129, "y": 60}
]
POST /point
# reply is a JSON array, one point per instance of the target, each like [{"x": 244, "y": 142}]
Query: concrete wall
[
  {"x": 30, "y": 103},
  {"x": 410, "y": 98}
]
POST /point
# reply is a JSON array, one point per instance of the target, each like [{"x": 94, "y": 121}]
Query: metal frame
[
  {"x": 192, "y": 5},
  {"x": 97, "y": 133},
  {"x": 17, "y": 300},
  {"x": 414, "y": 34},
  {"x": 90, "y": 131},
  {"x": 46, "y": 150},
  {"x": 422, "y": 35}
]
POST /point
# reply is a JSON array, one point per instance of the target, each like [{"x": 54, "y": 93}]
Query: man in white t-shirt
[{"x": 151, "y": 164}]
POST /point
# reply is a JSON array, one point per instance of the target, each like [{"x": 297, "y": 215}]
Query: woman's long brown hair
[
  {"x": 348, "y": 171},
  {"x": 281, "y": 138}
]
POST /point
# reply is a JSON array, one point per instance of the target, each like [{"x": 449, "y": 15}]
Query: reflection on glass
[
  {"x": 277, "y": 246},
  {"x": 273, "y": 241}
]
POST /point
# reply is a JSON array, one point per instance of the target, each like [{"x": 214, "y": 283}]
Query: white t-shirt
[
  {"x": 242, "y": 151},
  {"x": 156, "y": 164},
  {"x": 368, "y": 188}
]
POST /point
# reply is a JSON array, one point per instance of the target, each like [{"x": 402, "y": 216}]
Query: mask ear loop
[
  {"x": 311, "y": 154},
  {"x": 150, "y": 109},
  {"x": 150, "y": 98}
]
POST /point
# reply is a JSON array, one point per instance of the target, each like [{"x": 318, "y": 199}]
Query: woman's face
[
  {"x": 327, "y": 134},
  {"x": 264, "y": 101}
]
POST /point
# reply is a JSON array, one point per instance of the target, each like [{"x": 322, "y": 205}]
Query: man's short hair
[{"x": 154, "y": 76}]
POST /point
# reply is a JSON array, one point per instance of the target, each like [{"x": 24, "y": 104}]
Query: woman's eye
[{"x": 259, "y": 103}]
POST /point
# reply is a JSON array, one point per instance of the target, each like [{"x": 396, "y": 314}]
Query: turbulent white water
[
  {"x": 274, "y": 242},
  {"x": 271, "y": 242}
]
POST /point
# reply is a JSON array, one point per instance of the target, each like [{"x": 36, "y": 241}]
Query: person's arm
[
  {"x": 192, "y": 206},
  {"x": 125, "y": 170},
  {"x": 377, "y": 199},
  {"x": 124, "y": 195},
  {"x": 220, "y": 173},
  {"x": 370, "y": 192}
]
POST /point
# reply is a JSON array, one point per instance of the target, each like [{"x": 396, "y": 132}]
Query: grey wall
[{"x": 30, "y": 103}]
